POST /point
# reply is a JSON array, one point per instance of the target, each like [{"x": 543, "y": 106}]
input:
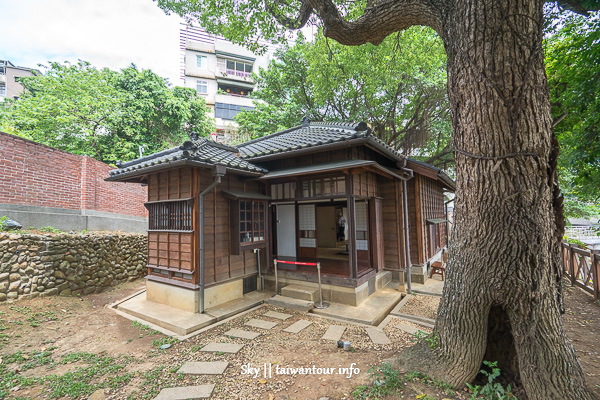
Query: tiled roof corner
[{"x": 202, "y": 150}]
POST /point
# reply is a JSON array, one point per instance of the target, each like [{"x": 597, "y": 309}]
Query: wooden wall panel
[
  {"x": 392, "y": 227},
  {"x": 220, "y": 264}
]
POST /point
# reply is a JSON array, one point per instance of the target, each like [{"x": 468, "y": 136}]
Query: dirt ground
[{"x": 76, "y": 347}]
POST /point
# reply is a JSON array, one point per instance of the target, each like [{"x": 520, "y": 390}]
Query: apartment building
[
  {"x": 221, "y": 72},
  {"x": 9, "y": 87}
]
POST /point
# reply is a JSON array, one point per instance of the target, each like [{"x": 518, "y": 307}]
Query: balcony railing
[{"x": 241, "y": 74}]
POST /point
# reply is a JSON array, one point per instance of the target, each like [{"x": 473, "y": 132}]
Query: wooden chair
[{"x": 439, "y": 267}]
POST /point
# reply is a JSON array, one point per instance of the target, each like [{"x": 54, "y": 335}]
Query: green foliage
[
  {"x": 3, "y": 221},
  {"x": 491, "y": 390},
  {"x": 103, "y": 113},
  {"x": 164, "y": 340},
  {"x": 398, "y": 87},
  {"x": 386, "y": 380},
  {"x": 49, "y": 229},
  {"x": 81, "y": 382},
  {"x": 431, "y": 340},
  {"x": 572, "y": 57}
]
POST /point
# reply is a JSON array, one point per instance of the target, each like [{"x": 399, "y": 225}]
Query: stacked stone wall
[{"x": 34, "y": 265}]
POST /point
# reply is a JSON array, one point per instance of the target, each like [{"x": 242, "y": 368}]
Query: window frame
[
  {"x": 201, "y": 83},
  {"x": 201, "y": 61},
  {"x": 225, "y": 110},
  {"x": 251, "y": 218}
]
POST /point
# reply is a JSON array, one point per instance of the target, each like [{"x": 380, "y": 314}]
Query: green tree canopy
[
  {"x": 103, "y": 113},
  {"x": 573, "y": 67},
  {"x": 398, "y": 87}
]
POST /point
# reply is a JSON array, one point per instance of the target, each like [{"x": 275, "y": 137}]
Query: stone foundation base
[{"x": 336, "y": 294}]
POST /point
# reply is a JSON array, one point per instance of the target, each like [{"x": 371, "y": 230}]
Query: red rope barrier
[{"x": 295, "y": 262}]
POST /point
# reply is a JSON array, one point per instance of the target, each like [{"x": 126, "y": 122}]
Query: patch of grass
[
  {"x": 87, "y": 379},
  {"x": 144, "y": 328},
  {"x": 164, "y": 340},
  {"x": 388, "y": 381},
  {"x": 49, "y": 229},
  {"x": 195, "y": 348},
  {"x": 153, "y": 381},
  {"x": 34, "y": 318}
]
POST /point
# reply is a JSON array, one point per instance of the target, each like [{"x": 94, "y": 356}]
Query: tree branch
[
  {"x": 275, "y": 8},
  {"x": 380, "y": 19},
  {"x": 582, "y": 7}
]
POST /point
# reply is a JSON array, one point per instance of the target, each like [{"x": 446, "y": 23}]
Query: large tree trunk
[{"x": 502, "y": 297}]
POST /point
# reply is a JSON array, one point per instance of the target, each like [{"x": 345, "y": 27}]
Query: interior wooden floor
[{"x": 332, "y": 263}]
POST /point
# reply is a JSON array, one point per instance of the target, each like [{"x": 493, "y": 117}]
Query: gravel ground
[
  {"x": 274, "y": 348},
  {"x": 422, "y": 305}
]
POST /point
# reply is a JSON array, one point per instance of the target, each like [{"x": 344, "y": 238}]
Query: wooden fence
[{"x": 582, "y": 267}]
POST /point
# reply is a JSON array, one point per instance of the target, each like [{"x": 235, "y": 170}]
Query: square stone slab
[
  {"x": 378, "y": 336},
  {"x": 239, "y": 333},
  {"x": 277, "y": 315},
  {"x": 298, "y": 326},
  {"x": 203, "y": 368},
  {"x": 184, "y": 393},
  {"x": 334, "y": 332},
  {"x": 407, "y": 328},
  {"x": 222, "y": 347},
  {"x": 259, "y": 323}
]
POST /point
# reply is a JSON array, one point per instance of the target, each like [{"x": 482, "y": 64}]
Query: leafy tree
[
  {"x": 572, "y": 62},
  {"x": 397, "y": 87},
  {"x": 103, "y": 113},
  {"x": 502, "y": 298}
]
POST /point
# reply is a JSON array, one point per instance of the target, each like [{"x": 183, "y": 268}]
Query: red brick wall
[{"x": 38, "y": 175}]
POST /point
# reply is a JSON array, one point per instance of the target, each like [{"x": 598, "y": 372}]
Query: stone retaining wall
[{"x": 68, "y": 264}]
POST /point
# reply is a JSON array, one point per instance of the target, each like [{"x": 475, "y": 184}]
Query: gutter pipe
[
  {"x": 218, "y": 172},
  {"x": 408, "y": 175}
]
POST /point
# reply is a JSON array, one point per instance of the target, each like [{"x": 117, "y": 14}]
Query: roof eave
[
  {"x": 447, "y": 181},
  {"x": 377, "y": 146},
  {"x": 308, "y": 149},
  {"x": 127, "y": 176}
]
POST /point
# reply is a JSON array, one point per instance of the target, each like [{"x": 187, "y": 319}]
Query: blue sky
[{"x": 107, "y": 33}]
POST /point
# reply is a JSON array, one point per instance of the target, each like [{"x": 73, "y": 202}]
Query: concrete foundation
[
  {"x": 76, "y": 220},
  {"x": 220, "y": 294},
  {"x": 335, "y": 294},
  {"x": 173, "y": 296}
]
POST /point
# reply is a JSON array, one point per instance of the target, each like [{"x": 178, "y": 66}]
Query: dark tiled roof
[
  {"x": 201, "y": 151},
  {"x": 300, "y": 137}
]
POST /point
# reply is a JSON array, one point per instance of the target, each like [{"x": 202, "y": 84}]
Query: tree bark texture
[{"x": 502, "y": 298}]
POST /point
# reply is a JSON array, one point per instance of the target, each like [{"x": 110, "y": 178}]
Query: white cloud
[{"x": 107, "y": 33}]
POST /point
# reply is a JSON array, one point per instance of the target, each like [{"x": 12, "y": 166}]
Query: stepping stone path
[
  {"x": 407, "y": 328},
  {"x": 298, "y": 326},
  {"x": 278, "y": 315},
  {"x": 334, "y": 332},
  {"x": 259, "y": 323},
  {"x": 239, "y": 333},
  {"x": 377, "y": 336},
  {"x": 203, "y": 368},
  {"x": 222, "y": 347},
  {"x": 184, "y": 393}
]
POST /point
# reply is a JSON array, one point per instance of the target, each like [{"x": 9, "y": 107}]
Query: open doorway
[{"x": 332, "y": 232}]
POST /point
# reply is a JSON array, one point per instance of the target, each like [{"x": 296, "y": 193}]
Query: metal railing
[
  {"x": 582, "y": 266},
  {"x": 321, "y": 305}
]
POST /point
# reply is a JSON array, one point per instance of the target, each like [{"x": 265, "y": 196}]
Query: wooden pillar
[{"x": 353, "y": 260}]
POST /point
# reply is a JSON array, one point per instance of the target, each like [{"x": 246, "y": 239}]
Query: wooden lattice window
[
  {"x": 172, "y": 215},
  {"x": 248, "y": 224},
  {"x": 252, "y": 221}
]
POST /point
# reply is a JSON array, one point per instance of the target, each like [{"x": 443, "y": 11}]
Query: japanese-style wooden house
[{"x": 327, "y": 192}]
